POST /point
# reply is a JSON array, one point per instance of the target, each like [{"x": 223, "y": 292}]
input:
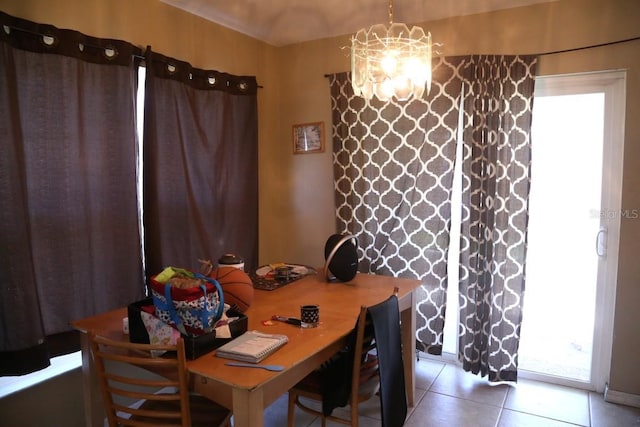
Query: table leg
[
  {"x": 408, "y": 320},
  {"x": 93, "y": 409},
  {"x": 248, "y": 408}
]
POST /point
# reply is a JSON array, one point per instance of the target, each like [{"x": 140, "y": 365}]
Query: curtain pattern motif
[
  {"x": 496, "y": 177},
  {"x": 393, "y": 169},
  {"x": 69, "y": 238},
  {"x": 200, "y": 165}
]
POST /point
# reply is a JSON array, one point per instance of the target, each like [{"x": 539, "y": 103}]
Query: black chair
[{"x": 372, "y": 364}]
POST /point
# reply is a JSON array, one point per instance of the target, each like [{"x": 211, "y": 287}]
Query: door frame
[{"x": 613, "y": 85}]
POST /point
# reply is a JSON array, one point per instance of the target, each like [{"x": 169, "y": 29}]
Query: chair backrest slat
[{"x": 127, "y": 385}]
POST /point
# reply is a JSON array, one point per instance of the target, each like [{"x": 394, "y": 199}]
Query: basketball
[{"x": 236, "y": 286}]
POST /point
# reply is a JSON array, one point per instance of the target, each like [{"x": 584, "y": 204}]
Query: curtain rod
[
  {"x": 34, "y": 33},
  {"x": 133, "y": 55},
  {"x": 589, "y": 47},
  {"x": 554, "y": 52}
]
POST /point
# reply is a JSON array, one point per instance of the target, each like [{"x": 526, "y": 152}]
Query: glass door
[{"x": 574, "y": 217}]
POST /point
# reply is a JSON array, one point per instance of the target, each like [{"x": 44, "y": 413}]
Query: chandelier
[{"x": 391, "y": 61}]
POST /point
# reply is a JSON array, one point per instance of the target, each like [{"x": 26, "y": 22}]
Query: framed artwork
[{"x": 308, "y": 138}]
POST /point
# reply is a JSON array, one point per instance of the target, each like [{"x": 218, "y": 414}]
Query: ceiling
[{"x": 283, "y": 22}]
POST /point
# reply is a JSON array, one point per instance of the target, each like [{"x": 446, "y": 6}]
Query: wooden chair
[
  {"x": 365, "y": 373},
  {"x": 160, "y": 402}
]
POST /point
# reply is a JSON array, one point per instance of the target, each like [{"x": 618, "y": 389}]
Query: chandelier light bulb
[
  {"x": 402, "y": 87},
  {"x": 388, "y": 62}
]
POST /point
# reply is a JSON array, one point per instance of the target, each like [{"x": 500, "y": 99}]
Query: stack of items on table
[{"x": 207, "y": 310}]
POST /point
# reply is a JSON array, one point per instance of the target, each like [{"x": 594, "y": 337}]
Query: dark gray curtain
[
  {"x": 200, "y": 165},
  {"x": 393, "y": 168},
  {"x": 69, "y": 239},
  {"x": 496, "y": 175}
]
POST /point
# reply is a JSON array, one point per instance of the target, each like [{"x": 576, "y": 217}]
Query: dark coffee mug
[{"x": 310, "y": 316}]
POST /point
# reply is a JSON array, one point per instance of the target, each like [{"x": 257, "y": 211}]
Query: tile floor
[{"x": 448, "y": 396}]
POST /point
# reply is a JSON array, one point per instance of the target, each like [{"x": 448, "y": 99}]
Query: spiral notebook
[{"x": 252, "y": 346}]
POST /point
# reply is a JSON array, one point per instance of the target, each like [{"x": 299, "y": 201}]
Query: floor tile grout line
[
  {"x": 466, "y": 399},
  {"x": 426, "y": 390},
  {"x": 502, "y": 408},
  {"x": 443, "y": 364},
  {"x": 512, "y": 389},
  {"x": 506, "y": 395},
  {"x": 547, "y": 418},
  {"x": 432, "y": 372},
  {"x": 499, "y": 416}
]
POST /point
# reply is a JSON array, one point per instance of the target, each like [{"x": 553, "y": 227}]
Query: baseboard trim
[{"x": 621, "y": 398}]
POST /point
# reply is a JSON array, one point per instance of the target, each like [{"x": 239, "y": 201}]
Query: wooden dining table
[{"x": 246, "y": 391}]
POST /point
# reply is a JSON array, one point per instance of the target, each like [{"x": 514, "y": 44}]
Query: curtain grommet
[
  {"x": 110, "y": 52},
  {"x": 49, "y": 41}
]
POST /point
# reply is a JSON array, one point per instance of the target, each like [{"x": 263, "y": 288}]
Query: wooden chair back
[{"x": 159, "y": 400}]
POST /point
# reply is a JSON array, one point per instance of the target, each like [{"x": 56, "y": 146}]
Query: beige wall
[
  {"x": 55, "y": 402},
  {"x": 296, "y": 198}
]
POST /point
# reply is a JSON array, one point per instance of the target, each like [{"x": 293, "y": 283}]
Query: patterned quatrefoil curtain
[
  {"x": 496, "y": 176},
  {"x": 393, "y": 170}
]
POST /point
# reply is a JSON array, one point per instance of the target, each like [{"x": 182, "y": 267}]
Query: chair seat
[{"x": 204, "y": 412}]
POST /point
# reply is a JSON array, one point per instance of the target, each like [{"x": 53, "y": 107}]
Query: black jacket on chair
[
  {"x": 386, "y": 325},
  {"x": 336, "y": 373}
]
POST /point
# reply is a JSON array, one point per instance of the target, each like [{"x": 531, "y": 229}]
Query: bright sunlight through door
[{"x": 564, "y": 206}]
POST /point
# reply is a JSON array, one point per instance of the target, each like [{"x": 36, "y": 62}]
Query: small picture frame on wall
[{"x": 308, "y": 138}]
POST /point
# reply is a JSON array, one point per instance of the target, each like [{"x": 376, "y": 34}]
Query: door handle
[{"x": 601, "y": 242}]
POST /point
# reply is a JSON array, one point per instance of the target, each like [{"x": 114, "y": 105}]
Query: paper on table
[{"x": 252, "y": 346}]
